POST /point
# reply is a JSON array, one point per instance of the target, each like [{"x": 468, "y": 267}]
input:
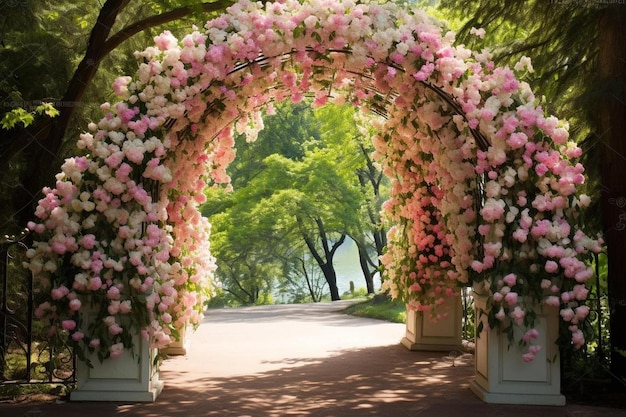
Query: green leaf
[
  {"x": 48, "y": 109},
  {"x": 16, "y": 116}
]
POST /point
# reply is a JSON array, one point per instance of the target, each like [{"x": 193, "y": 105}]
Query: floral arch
[{"x": 485, "y": 186}]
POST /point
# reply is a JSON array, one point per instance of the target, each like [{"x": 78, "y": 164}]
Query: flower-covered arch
[{"x": 485, "y": 186}]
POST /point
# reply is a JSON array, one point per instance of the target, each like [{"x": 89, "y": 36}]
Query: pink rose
[
  {"x": 116, "y": 350},
  {"x": 567, "y": 314},
  {"x": 75, "y": 304},
  {"x": 510, "y": 279},
  {"x": 68, "y": 325},
  {"x": 551, "y": 267},
  {"x": 511, "y": 298}
]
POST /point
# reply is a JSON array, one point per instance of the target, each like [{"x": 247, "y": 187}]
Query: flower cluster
[{"x": 484, "y": 185}]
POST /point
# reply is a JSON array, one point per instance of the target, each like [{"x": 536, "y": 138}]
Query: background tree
[
  {"x": 350, "y": 133},
  {"x": 44, "y": 58},
  {"x": 301, "y": 174}
]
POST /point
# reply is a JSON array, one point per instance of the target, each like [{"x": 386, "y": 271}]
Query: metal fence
[{"x": 29, "y": 354}]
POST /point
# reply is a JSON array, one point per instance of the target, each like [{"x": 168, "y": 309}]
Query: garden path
[{"x": 307, "y": 361}]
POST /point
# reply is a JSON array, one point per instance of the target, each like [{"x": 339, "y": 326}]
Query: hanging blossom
[{"x": 484, "y": 184}]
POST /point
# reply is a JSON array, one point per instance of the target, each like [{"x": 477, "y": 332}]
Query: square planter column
[
  {"x": 129, "y": 378},
  {"x": 422, "y": 333},
  {"x": 502, "y": 376},
  {"x": 179, "y": 347},
  {"x": 124, "y": 379}
]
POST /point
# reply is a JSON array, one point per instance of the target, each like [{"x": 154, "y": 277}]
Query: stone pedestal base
[
  {"x": 179, "y": 347},
  {"x": 124, "y": 379},
  {"x": 444, "y": 335},
  {"x": 502, "y": 376}
]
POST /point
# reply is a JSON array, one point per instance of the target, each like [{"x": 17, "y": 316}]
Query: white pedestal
[
  {"x": 123, "y": 379},
  {"x": 444, "y": 335},
  {"x": 502, "y": 376},
  {"x": 179, "y": 347}
]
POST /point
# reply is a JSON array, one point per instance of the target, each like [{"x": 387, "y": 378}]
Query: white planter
[
  {"x": 125, "y": 379},
  {"x": 179, "y": 347},
  {"x": 424, "y": 334},
  {"x": 502, "y": 376}
]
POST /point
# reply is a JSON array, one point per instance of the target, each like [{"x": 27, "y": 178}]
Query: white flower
[{"x": 524, "y": 65}]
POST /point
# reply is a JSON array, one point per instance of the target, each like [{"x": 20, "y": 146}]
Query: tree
[
  {"x": 300, "y": 174},
  {"x": 611, "y": 124},
  {"x": 351, "y": 137},
  {"x": 33, "y": 152}
]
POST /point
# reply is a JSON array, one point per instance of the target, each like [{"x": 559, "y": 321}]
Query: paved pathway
[{"x": 307, "y": 361}]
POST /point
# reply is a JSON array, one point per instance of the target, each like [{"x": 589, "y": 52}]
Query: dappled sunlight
[
  {"x": 381, "y": 381},
  {"x": 358, "y": 369},
  {"x": 305, "y": 361}
]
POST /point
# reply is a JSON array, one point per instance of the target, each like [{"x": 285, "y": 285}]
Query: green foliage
[
  {"x": 296, "y": 183},
  {"x": 19, "y": 115},
  {"x": 42, "y": 44}
]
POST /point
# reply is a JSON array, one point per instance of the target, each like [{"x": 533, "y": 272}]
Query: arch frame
[{"x": 485, "y": 186}]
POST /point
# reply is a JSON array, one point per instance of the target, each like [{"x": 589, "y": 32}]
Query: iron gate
[{"x": 28, "y": 353}]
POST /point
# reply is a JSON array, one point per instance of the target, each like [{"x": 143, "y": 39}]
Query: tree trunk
[
  {"x": 326, "y": 262},
  {"x": 331, "y": 279},
  {"x": 611, "y": 116},
  {"x": 365, "y": 262}
]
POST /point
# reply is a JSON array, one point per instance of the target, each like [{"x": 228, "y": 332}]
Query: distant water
[{"x": 348, "y": 269}]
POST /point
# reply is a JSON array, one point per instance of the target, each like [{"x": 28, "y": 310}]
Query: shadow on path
[{"x": 235, "y": 369}]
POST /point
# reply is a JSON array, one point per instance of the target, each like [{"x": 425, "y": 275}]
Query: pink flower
[
  {"x": 580, "y": 292},
  {"x": 115, "y": 329},
  {"x": 113, "y": 293},
  {"x": 116, "y": 350},
  {"x": 60, "y": 292},
  {"x": 167, "y": 317},
  {"x": 541, "y": 169},
  {"x": 68, "y": 325},
  {"x": 511, "y": 298},
  {"x": 95, "y": 283},
  {"x": 581, "y": 312},
  {"x": 578, "y": 339},
  {"x": 518, "y": 315},
  {"x": 510, "y": 279},
  {"x": 551, "y": 267},
  {"x": 567, "y": 314},
  {"x": 77, "y": 336},
  {"x": 530, "y": 335},
  {"x": 553, "y": 301},
  {"x": 89, "y": 241},
  {"x": 120, "y": 85},
  {"x": 75, "y": 304},
  {"x": 125, "y": 307}
]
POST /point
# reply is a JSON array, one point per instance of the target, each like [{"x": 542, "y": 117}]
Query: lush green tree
[
  {"x": 349, "y": 134},
  {"x": 304, "y": 179}
]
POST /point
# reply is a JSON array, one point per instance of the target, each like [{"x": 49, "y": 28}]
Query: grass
[
  {"x": 19, "y": 393},
  {"x": 379, "y": 307}
]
